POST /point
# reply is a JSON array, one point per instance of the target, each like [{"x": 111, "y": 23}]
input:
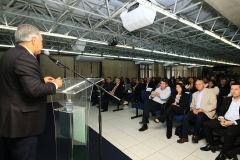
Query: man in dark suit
[
  {"x": 147, "y": 84},
  {"x": 23, "y": 94},
  {"x": 228, "y": 119},
  {"x": 117, "y": 91}
]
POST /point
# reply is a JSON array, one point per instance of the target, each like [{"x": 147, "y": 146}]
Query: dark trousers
[
  {"x": 199, "y": 119},
  {"x": 106, "y": 99},
  {"x": 150, "y": 106},
  {"x": 234, "y": 152},
  {"x": 20, "y": 148},
  {"x": 231, "y": 134},
  {"x": 168, "y": 114}
]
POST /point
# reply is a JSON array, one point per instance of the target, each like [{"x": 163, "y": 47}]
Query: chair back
[{"x": 145, "y": 94}]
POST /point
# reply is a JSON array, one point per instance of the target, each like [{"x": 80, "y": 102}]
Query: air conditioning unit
[
  {"x": 137, "y": 16},
  {"x": 89, "y": 58}
]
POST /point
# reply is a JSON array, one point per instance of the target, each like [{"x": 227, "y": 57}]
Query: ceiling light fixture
[
  {"x": 70, "y": 52},
  {"x": 155, "y": 51},
  {"x": 124, "y": 46},
  {"x": 4, "y": 45},
  {"x": 92, "y": 41},
  {"x": 142, "y": 49},
  {"x": 92, "y": 54},
  {"x": 112, "y": 56}
]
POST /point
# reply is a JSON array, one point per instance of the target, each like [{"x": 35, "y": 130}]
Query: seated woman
[
  {"x": 177, "y": 104},
  {"x": 212, "y": 85}
]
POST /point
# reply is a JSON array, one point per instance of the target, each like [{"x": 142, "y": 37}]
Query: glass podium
[{"x": 71, "y": 118}]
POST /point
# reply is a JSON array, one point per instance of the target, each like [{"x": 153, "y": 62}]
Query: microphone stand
[{"x": 100, "y": 94}]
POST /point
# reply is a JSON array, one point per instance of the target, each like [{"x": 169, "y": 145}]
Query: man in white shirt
[
  {"x": 228, "y": 119},
  {"x": 156, "y": 100}
]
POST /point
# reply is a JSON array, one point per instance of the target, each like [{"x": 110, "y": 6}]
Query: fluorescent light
[
  {"x": 212, "y": 34},
  {"x": 237, "y": 46},
  {"x": 142, "y": 49},
  {"x": 183, "y": 56},
  {"x": 156, "y": 8},
  {"x": 149, "y": 59},
  {"x": 92, "y": 54},
  {"x": 110, "y": 56},
  {"x": 172, "y": 54},
  {"x": 92, "y": 41},
  {"x": 8, "y": 27},
  {"x": 124, "y": 46},
  {"x": 125, "y": 57},
  {"x": 51, "y": 50},
  {"x": 138, "y": 59},
  {"x": 226, "y": 41},
  {"x": 193, "y": 58},
  {"x": 159, "y": 52},
  {"x": 3, "y": 45},
  {"x": 69, "y": 52},
  {"x": 57, "y": 35},
  {"x": 159, "y": 61},
  {"x": 190, "y": 24}
]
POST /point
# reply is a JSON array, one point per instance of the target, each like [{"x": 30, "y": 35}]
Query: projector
[{"x": 137, "y": 16}]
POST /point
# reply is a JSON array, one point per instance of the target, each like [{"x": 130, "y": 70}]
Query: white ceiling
[{"x": 99, "y": 20}]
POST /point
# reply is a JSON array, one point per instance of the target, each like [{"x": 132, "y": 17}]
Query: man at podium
[{"x": 23, "y": 94}]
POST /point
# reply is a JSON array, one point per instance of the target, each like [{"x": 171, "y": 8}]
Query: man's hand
[
  {"x": 158, "y": 94},
  {"x": 200, "y": 110},
  {"x": 195, "y": 111},
  {"x": 222, "y": 121},
  {"x": 58, "y": 82},
  {"x": 153, "y": 93},
  {"x": 226, "y": 123},
  {"x": 48, "y": 79}
]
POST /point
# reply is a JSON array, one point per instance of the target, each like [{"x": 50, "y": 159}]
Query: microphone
[{"x": 46, "y": 52}]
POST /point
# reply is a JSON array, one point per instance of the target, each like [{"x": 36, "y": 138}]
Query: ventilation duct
[{"x": 89, "y": 58}]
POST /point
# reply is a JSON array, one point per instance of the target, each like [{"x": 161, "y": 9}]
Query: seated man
[
  {"x": 158, "y": 98},
  {"x": 228, "y": 118},
  {"x": 117, "y": 91},
  {"x": 202, "y": 108}
]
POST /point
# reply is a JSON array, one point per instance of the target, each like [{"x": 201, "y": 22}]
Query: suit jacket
[
  {"x": 22, "y": 94},
  {"x": 119, "y": 91},
  {"x": 225, "y": 106},
  {"x": 138, "y": 91},
  {"x": 208, "y": 103},
  {"x": 150, "y": 85},
  {"x": 183, "y": 102}
]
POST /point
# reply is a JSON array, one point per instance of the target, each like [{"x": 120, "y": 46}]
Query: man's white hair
[{"x": 25, "y": 32}]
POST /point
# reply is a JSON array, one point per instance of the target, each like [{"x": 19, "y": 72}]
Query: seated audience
[
  {"x": 177, "y": 104},
  {"x": 191, "y": 85},
  {"x": 157, "y": 99},
  {"x": 148, "y": 84},
  {"x": 212, "y": 86},
  {"x": 228, "y": 119},
  {"x": 202, "y": 108},
  {"x": 205, "y": 80},
  {"x": 224, "y": 89},
  {"x": 230, "y": 84},
  {"x": 134, "y": 92}
]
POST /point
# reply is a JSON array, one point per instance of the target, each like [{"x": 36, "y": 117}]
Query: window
[{"x": 146, "y": 71}]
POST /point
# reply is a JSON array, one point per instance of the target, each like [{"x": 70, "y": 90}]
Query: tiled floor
[{"x": 152, "y": 144}]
